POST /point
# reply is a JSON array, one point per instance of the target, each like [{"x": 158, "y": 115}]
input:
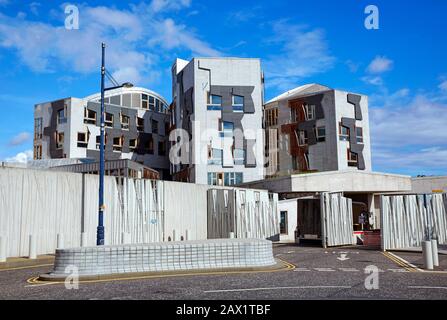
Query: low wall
[{"x": 163, "y": 256}]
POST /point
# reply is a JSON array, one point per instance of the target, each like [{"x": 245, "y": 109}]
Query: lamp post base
[{"x": 100, "y": 236}]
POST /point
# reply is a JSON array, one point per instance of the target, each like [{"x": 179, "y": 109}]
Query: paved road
[{"x": 319, "y": 274}]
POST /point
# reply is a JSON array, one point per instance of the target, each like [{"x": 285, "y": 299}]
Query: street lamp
[{"x": 100, "y": 228}]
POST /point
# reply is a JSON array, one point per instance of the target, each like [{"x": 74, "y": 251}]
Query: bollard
[
  {"x": 60, "y": 241},
  {"x": 231, "y": 235},
  {"x": 427, "y": 255},
  {"x": 434, "y": 250},
  {"x": 2, "y": 249},
  {"x": 173, "y": 236},
  {"x": 186, "y": 235},
  {"x": 32, "y": 247},
  {"x": 83, "y": 239}
]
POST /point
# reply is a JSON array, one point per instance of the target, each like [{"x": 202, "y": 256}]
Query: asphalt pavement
[{"x": 317, "y": 273}]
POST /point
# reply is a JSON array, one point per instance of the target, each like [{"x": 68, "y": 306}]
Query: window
[
  {"x": 82, "y": 139},
  {"x": 37, "y": 152},
  {"x": 214, "y": 103},
  {"x": 344, "y": 132},
  {"x": 140, "y": 124},
  {"x": 352, "y": 159},
  {"x": 161, "y": 148},
  {"x": 132, "y": 144},
  {"x": 227, "y": 128},
  {"x": 61, "y": 115},
  {"x": 283, "y": 225},
  {"x": 151, "y": 103},
  {"x": 215, "y": 178},
  {"x": 109, "y": 120},
  {"x": 215, "y": 156},
  {"x": 271, "y": 117},
  {"x": 116, "y": 100},
  {"x": 239, "y": 156},
  {"x": 38, "y": 129},
  {"x": 232, "y": 178},
  {"x": 212, "y": 178},
  {"x": 118, "y": 143},
  {"x": 59, "y": 140},
  {"x": 321, "y": 134},
  {"x": 154, "y": 126},
  {"x": 238, "y": 103},
  {"x": 124, "y": 122},
  {"x": 293, "y": 115},
  {"x": 89, "y": 116},
  {"x": 126, "y": 100},
  {"x": 157, "y": 105},
  {"x": 310, "y": 111},
  {"x": 144, "y": 101},
  {"x": 149, "y": 145},
  {"x": 98, "y": 141},
  {"x": 167, "y": 125},
  {"x": 359, "y": 134},
  {"x": 302, "y": 137}
]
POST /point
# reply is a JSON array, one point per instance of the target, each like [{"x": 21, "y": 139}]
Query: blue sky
[{"x": 402, "y": 66}]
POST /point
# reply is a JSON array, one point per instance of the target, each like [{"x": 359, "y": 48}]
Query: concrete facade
[
  {"x": 164, "y": 256},
  {"x": 316, "y": 128},
  {"x": 218, "y": 103},
  {"x": 429, "y": 184},
  {"x": 137, "y": 122}
]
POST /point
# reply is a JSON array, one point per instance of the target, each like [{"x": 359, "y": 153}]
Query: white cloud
[
  {"x": 19, "y": 139},
  {"x": 407, "y": 133},
  {"x": 376, "y": 80},
  {"x": 422, "y": 122},
  {"x": 21, "y": 157},
  {"x": 163, "y": 5},
  {"x": 353, "y": 67},
  {"x": 34, "y": 8},
  {"x": 303, "y": 53},
  {"x": 443, "y": 86},
  {"x": 380, "y": 65},
  {"x": 44, "y": 47},
  {"x": 170, "y": 35}
]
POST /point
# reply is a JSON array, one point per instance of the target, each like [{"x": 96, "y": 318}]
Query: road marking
[
  {"x": 398, "y": 270},
  {"x": 301, "y": 269},
  {"x": 288, "y": 266},
  {"x": 425, "y": 287},
  {"x": 349, "y": 269},
  {"x": 278, "y": 288},
  {"x": 405, "y": 261},
  {"x": 325, "y": 269},
  {"x": 400, "y": 262},
  {"x": 290, "y": 251},
  {"x": 27, "y": 267}
]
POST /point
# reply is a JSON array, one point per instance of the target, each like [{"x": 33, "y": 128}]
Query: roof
[
  {"x": 126, "y": 90},
  {"x": 299, "y": 91}
]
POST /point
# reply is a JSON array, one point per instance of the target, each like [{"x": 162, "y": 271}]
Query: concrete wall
[
  {"x": 347, "y": 181},
  {"x": 207, "y": 75},
  {"x": 429, "y": 184},
  {"x": 343, "y": 109},
  {"x": 45, "y": 203}
]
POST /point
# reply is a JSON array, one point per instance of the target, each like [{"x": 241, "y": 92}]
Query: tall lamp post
[{"x": 100, "y": 228}]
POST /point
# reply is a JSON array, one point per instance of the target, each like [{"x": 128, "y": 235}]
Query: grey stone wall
[{"x": 166, "y": 256}]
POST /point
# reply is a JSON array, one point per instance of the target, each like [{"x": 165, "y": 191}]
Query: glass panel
[
  {"x": 116, "y": 100},
  {"x": 136, "y": 100},
  {"x": 239, "y": 100},
  {"x": 239, "y": 177},
  {"x": 216, "y": 99},
  {"x": 126, "y": 100}
]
